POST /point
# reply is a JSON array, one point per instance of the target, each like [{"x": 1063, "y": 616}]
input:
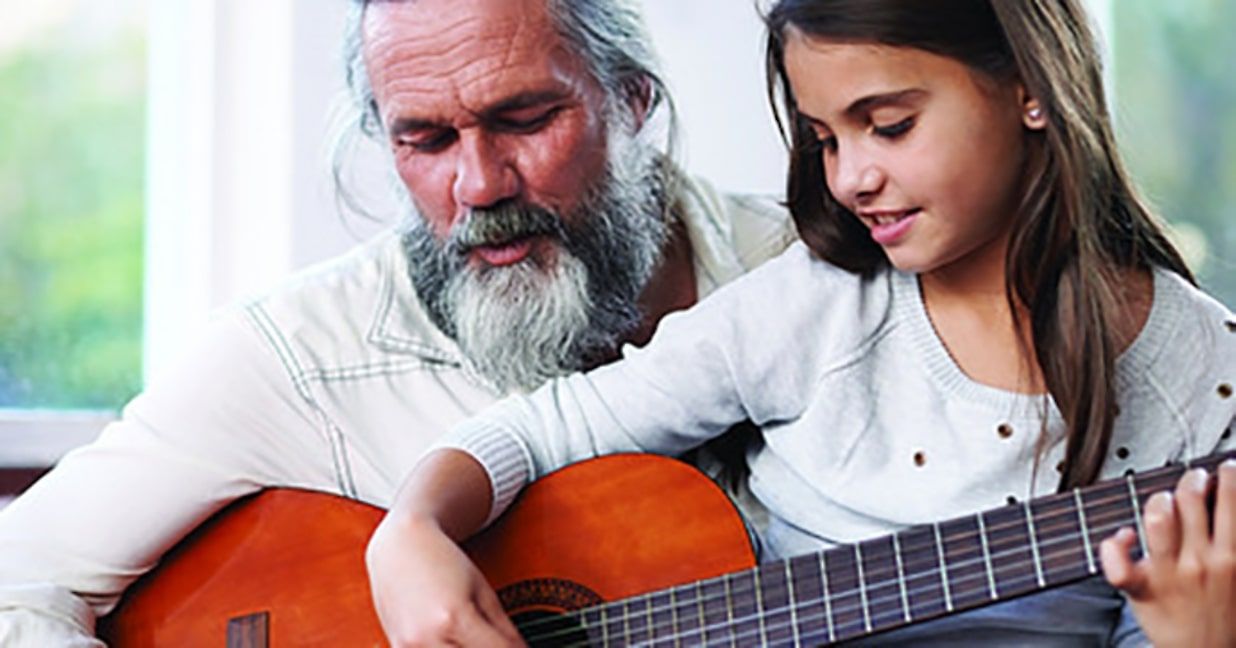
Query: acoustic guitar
[{"x": 619, "y": 551}]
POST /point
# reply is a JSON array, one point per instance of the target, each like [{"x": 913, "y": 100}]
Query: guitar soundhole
[
  {"x": 540, "y": 610},
  {"x": 550, "y": 630}
]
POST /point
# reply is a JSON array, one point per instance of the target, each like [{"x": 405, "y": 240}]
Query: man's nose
[{"x": 483, "y": 173}]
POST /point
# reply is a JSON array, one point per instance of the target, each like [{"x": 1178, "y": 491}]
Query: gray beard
[{"x": 523, "y": 324}]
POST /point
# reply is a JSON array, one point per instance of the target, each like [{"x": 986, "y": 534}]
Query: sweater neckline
[{"x": 939, "y": 363}]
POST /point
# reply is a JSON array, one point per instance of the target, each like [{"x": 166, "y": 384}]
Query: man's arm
[{"x": 192, "y": 443}]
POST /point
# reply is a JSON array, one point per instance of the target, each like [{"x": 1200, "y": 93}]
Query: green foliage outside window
[
  {"x": 72, "y": 124},
  {"x": 1176, "y": 114}
]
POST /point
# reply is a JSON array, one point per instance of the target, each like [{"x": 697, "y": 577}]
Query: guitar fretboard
[{"x": 917, "y": 574}]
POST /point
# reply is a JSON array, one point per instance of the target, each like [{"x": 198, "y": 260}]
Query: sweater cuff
[{"x": 503, "y": 456}]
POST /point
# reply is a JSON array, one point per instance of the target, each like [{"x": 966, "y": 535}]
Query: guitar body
[{"x": 286, "y": 568}]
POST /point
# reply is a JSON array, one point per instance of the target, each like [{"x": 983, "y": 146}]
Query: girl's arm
[
  {"x": 1184, "y": 592},
  {"x": 425, "y": 589}
]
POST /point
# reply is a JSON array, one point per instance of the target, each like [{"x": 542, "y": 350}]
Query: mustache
[{"x": 503, "y": 224}]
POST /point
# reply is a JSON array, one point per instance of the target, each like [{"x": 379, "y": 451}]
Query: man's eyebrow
[
  {"x": 870, "y": 103},
  {"x": 403, "y": 125},
  {"x": 521, "y": 101},
  {"x": 515, "y": 102}
]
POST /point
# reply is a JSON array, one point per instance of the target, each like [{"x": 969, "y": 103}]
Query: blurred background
[{"x": 161, "y": 159}]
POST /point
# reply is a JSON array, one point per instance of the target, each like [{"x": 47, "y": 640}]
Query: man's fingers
[{"x": 1118, "y": 566}]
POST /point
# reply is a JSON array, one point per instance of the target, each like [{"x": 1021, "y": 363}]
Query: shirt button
[
  {"x": 1231, "y": 325},
  {"x": 1225, "y": 390},
  {"x": 920, "y": 458},
  {"x": 1011, "y": 500},
  {"x": 1004, "y": 430},
  {"x": 1060, "y": 467},
  {"x": 1122, "y": 453}
]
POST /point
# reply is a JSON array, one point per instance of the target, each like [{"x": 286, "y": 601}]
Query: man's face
[
  {"x": 536, "y": 213},
  {"x": 483, "y": 104}
]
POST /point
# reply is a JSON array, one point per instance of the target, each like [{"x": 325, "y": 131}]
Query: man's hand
[{"x": 1184, "y": 591}]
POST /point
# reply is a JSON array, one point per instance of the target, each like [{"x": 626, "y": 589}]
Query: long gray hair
[{"x": 608, "y": 35}]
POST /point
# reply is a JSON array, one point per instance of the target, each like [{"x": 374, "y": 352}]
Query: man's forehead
[{"x": 469, "y": 53}]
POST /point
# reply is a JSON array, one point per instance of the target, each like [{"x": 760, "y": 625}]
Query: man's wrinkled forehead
[{"x": 467, "y": 47}]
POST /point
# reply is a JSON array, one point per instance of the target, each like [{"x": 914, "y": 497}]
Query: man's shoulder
[
  {"x": 732, "y": 233},
  {"x": 357, "y": 304}
]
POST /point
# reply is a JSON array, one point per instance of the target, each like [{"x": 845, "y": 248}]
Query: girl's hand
[
  {"x": 1184, "y": 592},
  {"x": 428, "y": 593}
]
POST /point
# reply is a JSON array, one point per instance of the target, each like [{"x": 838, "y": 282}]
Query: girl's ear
[{"x": 1033, "y": 115}]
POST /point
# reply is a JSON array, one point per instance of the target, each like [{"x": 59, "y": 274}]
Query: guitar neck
[{"x": 917, "y": 574}]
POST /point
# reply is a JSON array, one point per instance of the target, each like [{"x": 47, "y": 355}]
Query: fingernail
[{"x": 1198, "y": 479}]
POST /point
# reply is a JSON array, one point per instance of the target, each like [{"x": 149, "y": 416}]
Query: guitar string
[
  {"x": 1103, "y": 525},
  {"x": 728, "y": 626},
  {"x": 1068, "y": 515},
  {"x": 1149, "y": 482}
]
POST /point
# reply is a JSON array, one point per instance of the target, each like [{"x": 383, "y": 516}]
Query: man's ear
[
  {"x": 639, "y": 96},
  {"x": 1033, "y": 115}
]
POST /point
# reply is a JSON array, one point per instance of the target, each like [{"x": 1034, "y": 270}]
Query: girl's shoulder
[
  {"x": 1185, "y": 358},
  {"x": 798, "y": 286}
]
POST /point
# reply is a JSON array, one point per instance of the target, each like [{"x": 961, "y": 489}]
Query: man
[{"x": 544, "y": 230}]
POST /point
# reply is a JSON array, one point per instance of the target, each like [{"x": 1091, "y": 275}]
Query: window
[
  {"x": 72, "y": 125},
  {"x": 1174, "y": 94}
]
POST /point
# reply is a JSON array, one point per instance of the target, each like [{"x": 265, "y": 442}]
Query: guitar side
[{"x": 600, "y": 530}]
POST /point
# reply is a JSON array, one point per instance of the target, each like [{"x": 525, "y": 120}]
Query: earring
[{"x": 1035, "y": 113}]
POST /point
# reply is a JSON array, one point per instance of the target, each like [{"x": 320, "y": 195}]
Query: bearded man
[{"x": 544, "y": 229}]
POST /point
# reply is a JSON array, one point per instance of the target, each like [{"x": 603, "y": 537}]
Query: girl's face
[{"x": 925, "y": 152}]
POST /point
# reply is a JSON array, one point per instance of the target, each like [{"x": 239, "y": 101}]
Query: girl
[{"x": 981, "y": 308}]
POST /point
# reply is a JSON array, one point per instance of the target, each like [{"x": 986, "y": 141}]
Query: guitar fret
[
  {"x": 901, "y": 579},
  {"x": 652, "y": 624},
  {"x": 729, "y": 609},
  {"x": 604, "y": 625},
  {"x": 1034, "y": 545},
  {"x": 948, "y": 596},
  {"x": 1085, "y": 530},
  {"x": 789, "y": 580},
  {"x": 828, "y": 604},
  {"x": 759, "y": 607},
  {"x": 778, "y": 624},
  {"x": 991, "y": 575},
  {"x": 638, "y": 627},
  {"x": 699, "y": 606},
  {"x": 921, "y": 569},
  {"x": 862, "y": 587},
  {"x": 718, "y": 614},
  {"x": 626, "y": 622},
  {"x": 1137, "y": 514},
  {"x": 674, "y": 617}
]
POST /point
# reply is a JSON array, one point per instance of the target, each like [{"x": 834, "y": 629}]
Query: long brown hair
[{"x": 1080, "y": 223}]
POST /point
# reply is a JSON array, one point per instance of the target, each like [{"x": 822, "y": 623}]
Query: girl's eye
[{"x": 894, "y": 131}]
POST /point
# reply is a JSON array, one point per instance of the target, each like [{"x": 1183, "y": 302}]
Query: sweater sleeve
[{"x": 688, "y": 385}]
